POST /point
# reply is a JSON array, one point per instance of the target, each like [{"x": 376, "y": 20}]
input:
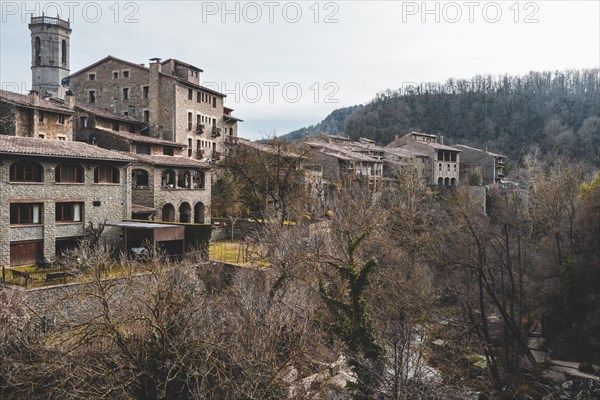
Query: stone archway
[
  {"x": 168, "y": 213},
  {"x": 199, "y": 213},
  {"x": 185, "y": 212}
]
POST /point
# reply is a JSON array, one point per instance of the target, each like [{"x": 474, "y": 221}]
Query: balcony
[
  {"x": 216, "y": 155},
  {"x": 199, "y": 129},
  {"x": 216, "y": 132},
  {"x": 199, "y": 153}
]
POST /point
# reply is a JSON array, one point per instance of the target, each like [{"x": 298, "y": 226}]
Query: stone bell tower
[{"x": 49, "y": 55}]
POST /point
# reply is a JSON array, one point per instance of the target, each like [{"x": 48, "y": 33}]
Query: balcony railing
[{"x": 216, "y": 132}]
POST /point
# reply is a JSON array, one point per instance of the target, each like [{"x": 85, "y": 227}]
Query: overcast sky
[{"x": 285, "y": 65}]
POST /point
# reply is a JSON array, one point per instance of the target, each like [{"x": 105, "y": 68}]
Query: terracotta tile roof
[
  {"x": 57, "y": 148},
  {"x": 170, "y": 161},
  {"x": 137, "y": 138},
  {"x": 109, "y": 57},
  {"x": 181, "y": 63},
  {"x": 106, "y": 114},
  {"x": 25, "y": 100}
]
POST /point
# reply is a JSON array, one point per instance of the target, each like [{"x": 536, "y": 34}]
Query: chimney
[
  {"x": 69, "y": 99},
  {"x": 154, "y": 93},
  {"x": 35, "y": 95},
  {"x": 441, "y": 138}
]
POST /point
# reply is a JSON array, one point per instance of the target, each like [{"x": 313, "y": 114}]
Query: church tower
[{"x": 49, "y": 55}]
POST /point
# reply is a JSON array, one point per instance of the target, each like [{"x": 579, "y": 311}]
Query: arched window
[
  {"x": 441, "y": 181},
  {"x": 139, "y": 178},
  {"x": 168, "y": 179},
  {"x": 447, "y": 182},
  {"x": 168, "y": 213},
  {"x": 106, "y": 174},
  {"x": 68, "y": 173},
  {"x": 198, "y": 179},
  {"x": 453, "y": 182},
  {"x": 38, "y": 51},
  {"x": 184, "y": 180},
  {"x": 185, "y": 212},
  {"x": 26, "y": 171},
  {"x": 63, "y": 51}
]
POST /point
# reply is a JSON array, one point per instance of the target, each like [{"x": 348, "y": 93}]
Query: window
[
  {"x": 61, "y": 137},
  {"x": 115, "y": 74},
  {"x": 440, "y": 156},
  {"x": 145, "y": 91},
  {"x": 41, "y": 136},
  {"x": 448, "y": 167},
  {"x": 63, "y": 52},
  {"x": 41, "y": 116},
  {"x": 139, "y": 178},
  {"x": 92, "y": 96},
  {"x": 125, "y": 74},
  {"x": 126, "y": 113},
  {"x": 26, "y": 171},
  {"x": 440, "y": 166},
  {"x": 167, "y": 151},
  {"x": 453, "y": 157},
  {"x": 214, "y": 102},
  {"x": 190, "y": 94},
  {"x": 106, "y": 174},
  {"x": 189, "y": 147},
  {"x": 38, "y": 50},
  {"x": 142, "y": 148},
  {"x": 25, "y": 213},
  {"x": 68, "y": 212},
  {"x": 190, "y": 116},
  {"x": 146, "y": 116},
  {"x": 198, "y": 97},
  {"x": 92, "y": 77},
  {"x": 115, "y": 126},
  {"x": 68, "y": 173},
  {"x": 125, "y": 93},
  {"x": 83, "y": 121},
  {"x": 61, "y": 119}
]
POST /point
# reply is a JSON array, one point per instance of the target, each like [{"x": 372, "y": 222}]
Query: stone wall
[
  {"x": 75, "y": 303},
  {"x": 101, "y": 202},
  {"x": 8, "y": 119}
]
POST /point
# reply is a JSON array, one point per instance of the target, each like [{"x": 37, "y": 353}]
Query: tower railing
[{"x": 50, "y": 20}]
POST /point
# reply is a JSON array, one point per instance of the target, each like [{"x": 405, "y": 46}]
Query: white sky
[{"x": 337, "y": 53}]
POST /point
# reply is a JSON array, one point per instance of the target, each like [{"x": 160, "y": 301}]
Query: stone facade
[
  {"x": 99, "y": 202},
  {"x": 50, "y": 58},
  {"x": 32, "y": 116},
  {"x": 488, "y": 166},
  {"x": 166, "y": 95},
  {"x": 443, "y": 162}
]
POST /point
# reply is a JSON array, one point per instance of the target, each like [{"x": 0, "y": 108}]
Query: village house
[
  {"x": 51, "y": 190},
  {"x": 342, "y": 162},
  {"x": 481, "y": 166},
  {"x": 167, "y": 96},
  {"x": 443, "y": 162}
]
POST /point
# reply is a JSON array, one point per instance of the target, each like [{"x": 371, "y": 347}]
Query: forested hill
[
  {"x": 558, "y": 111},
  {"x": 334, "y": 123}
]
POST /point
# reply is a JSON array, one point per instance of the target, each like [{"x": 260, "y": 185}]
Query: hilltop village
[{"x": 148, "y": 251}]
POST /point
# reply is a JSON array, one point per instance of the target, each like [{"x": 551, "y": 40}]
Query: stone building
[
  {"x": 50, "y": 59},
  {"x": 481, "y": 166},
  {"x": 166, "y": 95},
  {"x": 51, "y": 190},
  {"x": 443, "y": 162},
  {"x": 166, "y": 183},
  {"x": 34, "y": 116}
]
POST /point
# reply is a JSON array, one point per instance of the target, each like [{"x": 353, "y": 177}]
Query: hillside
[
  {"x": 558, "y": 111},
  {"x": 333, "y": 124}
]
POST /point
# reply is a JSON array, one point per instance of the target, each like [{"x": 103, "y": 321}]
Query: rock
[
  {"x": 586, "y": 367},
  {"x": 568, "y": 385},
  {"x": 291, "y": 375}
]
